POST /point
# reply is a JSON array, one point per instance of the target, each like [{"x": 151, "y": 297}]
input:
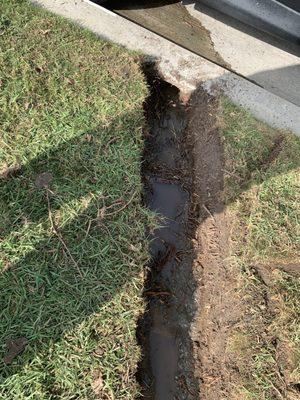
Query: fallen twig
[
  {"x": 208, "y": 212},
  {"x": 58, "y": 234},
  {"x": 152, "y": 293},
  {"x": 125, "y": 205}
]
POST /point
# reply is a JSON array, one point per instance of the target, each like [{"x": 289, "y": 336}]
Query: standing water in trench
[{"x": 164, "y": 331}]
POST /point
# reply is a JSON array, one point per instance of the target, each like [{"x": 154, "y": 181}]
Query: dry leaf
[
  {"x": 101, "y": 214},
  {"x": 97, "y": 384},
  {"x": 8, "y": 171},
  {"x": 39, "y": 69},
  {"x": 70, "y": 81},
  {"x": 14, "y": 348},
  {"x": 45, "y": 32},
  {"x": 88, "y": 137}
]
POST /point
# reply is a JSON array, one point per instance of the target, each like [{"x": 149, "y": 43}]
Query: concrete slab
[
  {"x": 200, "y": 30},
  {"x": 179, "y": 66},
  {"x": 252, "y": 54},
  {"x": 170, "y": 20}
]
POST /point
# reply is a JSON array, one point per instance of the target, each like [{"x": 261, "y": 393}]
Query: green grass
[
  {"x": 262, "y": 179},
  {"x": 264, "y": 184},
  {"x": 72, "y": 253}
]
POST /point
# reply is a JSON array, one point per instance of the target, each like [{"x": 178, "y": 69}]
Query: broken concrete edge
[{"x": 178, "y": 66}]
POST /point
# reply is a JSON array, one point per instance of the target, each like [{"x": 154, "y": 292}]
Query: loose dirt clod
[{"x": 43, "y": 180}]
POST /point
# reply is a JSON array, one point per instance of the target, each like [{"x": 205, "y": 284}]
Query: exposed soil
[
  {"x": 166, "y": 371},
  {"x": 195, "y": 300},
  {"x": 223, "y": 305},
  {"x": 190, "y": 287},
  {"x": 218, "y": 309}
]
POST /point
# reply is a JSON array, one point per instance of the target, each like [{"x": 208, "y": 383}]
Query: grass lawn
[
  {"x": 263, "y": 195},
  {"x": 72, "y": 229},
  {"x": 72, "y": 242}
]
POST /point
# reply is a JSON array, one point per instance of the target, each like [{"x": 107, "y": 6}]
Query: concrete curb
[{"x": 178, "y": 66}]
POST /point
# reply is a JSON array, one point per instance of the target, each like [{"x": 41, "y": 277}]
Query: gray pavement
[{"x": 187, "y": 70}]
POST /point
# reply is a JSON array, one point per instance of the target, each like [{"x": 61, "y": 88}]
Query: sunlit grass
[
  {"x": 262, "y": 176},
  {"x": 72, "y": 253}
]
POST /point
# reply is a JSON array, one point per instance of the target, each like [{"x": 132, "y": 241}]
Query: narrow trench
[
  {"x": 189, "y": 286},
  {"x": 166, "y": 371}
]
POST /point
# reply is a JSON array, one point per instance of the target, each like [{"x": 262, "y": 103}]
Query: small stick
[
  {"x": 151, "y": 293},
  {"x": 88, "y": 229},
  {"x": 122, "y": 208},
  {"x": 209, "y": 213},
  {"x": 58, "y": 234},
  {"x": 111, "y": 141}
]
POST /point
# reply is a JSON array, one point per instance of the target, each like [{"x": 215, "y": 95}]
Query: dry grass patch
[{"x": 262, "y": 179}]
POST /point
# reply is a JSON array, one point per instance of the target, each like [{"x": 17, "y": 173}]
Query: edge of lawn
[
  {"x": 262, "y": 192},
  {"x": 72, "y": 226}
]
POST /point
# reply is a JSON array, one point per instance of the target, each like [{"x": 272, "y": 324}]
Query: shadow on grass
[
  {"x": 95, "y": 200},
  {"x": 55, "y": 279}
]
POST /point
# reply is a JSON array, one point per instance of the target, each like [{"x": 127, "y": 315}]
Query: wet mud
[
  {"x": 190, "y": 286},
  {"x": 166, "y": 371}
]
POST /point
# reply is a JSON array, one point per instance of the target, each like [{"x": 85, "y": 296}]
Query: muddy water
[
  {"x": 170, "y": 19},
  {"x": 169, "y": 200},
  {"x": 167, "y": 194}
]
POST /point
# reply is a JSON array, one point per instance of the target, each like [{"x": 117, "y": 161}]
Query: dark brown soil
[
  {"x": 166, "y": 371},
  {"x": 190, "y": 287},
  {"x": 197, "y": 301},
  {"x": 218, "y": 309},
  {"x": 223, "y": 306},
  {"x": 14, "y": 348}
]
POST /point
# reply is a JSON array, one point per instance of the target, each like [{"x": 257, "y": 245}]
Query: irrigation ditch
[{"x": 183, "y": 181}]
